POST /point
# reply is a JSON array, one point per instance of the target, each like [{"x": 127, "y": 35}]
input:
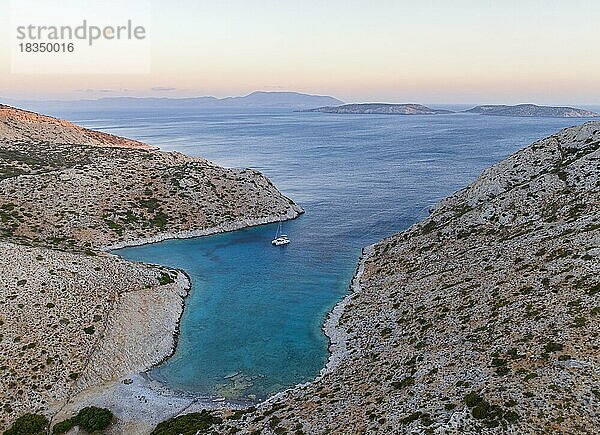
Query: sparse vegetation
[
  {"x": 64, "y": 426},
  {"x": 165, "y": 278},
  {"x": 490, "y": 415},
  {"x": 29, "y": 424},
  {"x": 188, "y": 424},
  {"x": 90, "y": 419}
]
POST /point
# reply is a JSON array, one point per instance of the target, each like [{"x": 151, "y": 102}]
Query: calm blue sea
[{"x": 252, "y": 323}]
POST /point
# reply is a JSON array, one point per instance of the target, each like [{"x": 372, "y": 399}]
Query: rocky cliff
[
  {"x": 484, "y": 318},
  {"x": 78, "y": 196},
  {"x": 72, "y": 321},
  {"x": 17, "y": 124}
]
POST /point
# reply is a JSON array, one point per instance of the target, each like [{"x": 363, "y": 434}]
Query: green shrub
[
  {"x": 491, "y": 415},
  {"x": 406, "y": 382},
  {"x": 92, "y": 418},
  {"x": 502, "y": 371},
  {"x": 165, "y": 278},
  {"x": 64, "y": 426},
  {"x": 28, "y": 424},
  {"x": 551, "y": 346},
  {"x": 240, "y": 413},
  {"x": 473, "y": 399},
  {"x": 428, "y": 227},
  {"x": 151, "y": 204},
  {"x": 511, "y": 416},
  {"x": 189, "y": 424},
  {"x": 385, "y": 332},
  {"x": 160, "y": 220},
  {"x": 411, "y": 417}
]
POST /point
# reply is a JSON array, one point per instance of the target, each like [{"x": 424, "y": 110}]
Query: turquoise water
[
  {"x": 254, "y": 311},
  {"x": 252, "y": 323}
]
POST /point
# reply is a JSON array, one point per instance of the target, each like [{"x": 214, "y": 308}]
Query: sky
[{"x": 427, "y": 51}]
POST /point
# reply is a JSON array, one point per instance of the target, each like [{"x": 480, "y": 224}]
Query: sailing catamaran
[{"x": 280, "y": 239}]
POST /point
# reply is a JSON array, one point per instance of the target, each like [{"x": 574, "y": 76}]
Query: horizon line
[{"x": 191, "y": 97}]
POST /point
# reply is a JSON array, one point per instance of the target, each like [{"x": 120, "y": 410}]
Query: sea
[{"x": 252, "y": 324}]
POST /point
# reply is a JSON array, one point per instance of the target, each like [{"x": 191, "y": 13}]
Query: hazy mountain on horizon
[
  {"x": 284, "y": 100},
  {"x": 257, "y": 99}
]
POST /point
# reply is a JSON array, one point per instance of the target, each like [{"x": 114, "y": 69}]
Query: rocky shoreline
[
  {"x": 72, "y": 322},
  {"x": 137, "y": 389},
  {"x": 482, "y": 318},
  {"x": 338, "y": 336},
  {"x": 106, "y": 371},
  {"x": 293, "y": 213},
  {"x": 164, "y": 402}
]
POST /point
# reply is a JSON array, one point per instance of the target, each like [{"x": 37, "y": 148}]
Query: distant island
[
  {"x": 381, "y": 109},
  {"x": 258, "y": 99},
  {"x": 521, "y": 110},
  {"x": 531, "y": 110},
  {"x": 293, "y": 101}
]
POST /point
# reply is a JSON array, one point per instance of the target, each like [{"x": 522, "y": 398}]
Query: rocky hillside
[
  {"x": 484, "y": 318},
  {"x": 71, "y": 317},
  {"x": 381, "y": 109},
  {"x": 531, "y": 110},
  {"x": 70, "y": 321},
  {"x": 82, "y": 197},
  {"x": 17, "y": 124}
]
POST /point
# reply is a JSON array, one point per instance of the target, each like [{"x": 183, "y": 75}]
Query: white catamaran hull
[{"x": 280, "y": 239}]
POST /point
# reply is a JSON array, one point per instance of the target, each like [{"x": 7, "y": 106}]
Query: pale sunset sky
[{"x": 427, "y": 51}]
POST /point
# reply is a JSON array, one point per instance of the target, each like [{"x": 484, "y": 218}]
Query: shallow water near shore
[{"x": 252, "y": 323}]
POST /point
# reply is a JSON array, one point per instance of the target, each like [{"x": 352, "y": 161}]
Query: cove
[
  {"x": 252, "y": 322},
  {"x": 251, "y": 325}
]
